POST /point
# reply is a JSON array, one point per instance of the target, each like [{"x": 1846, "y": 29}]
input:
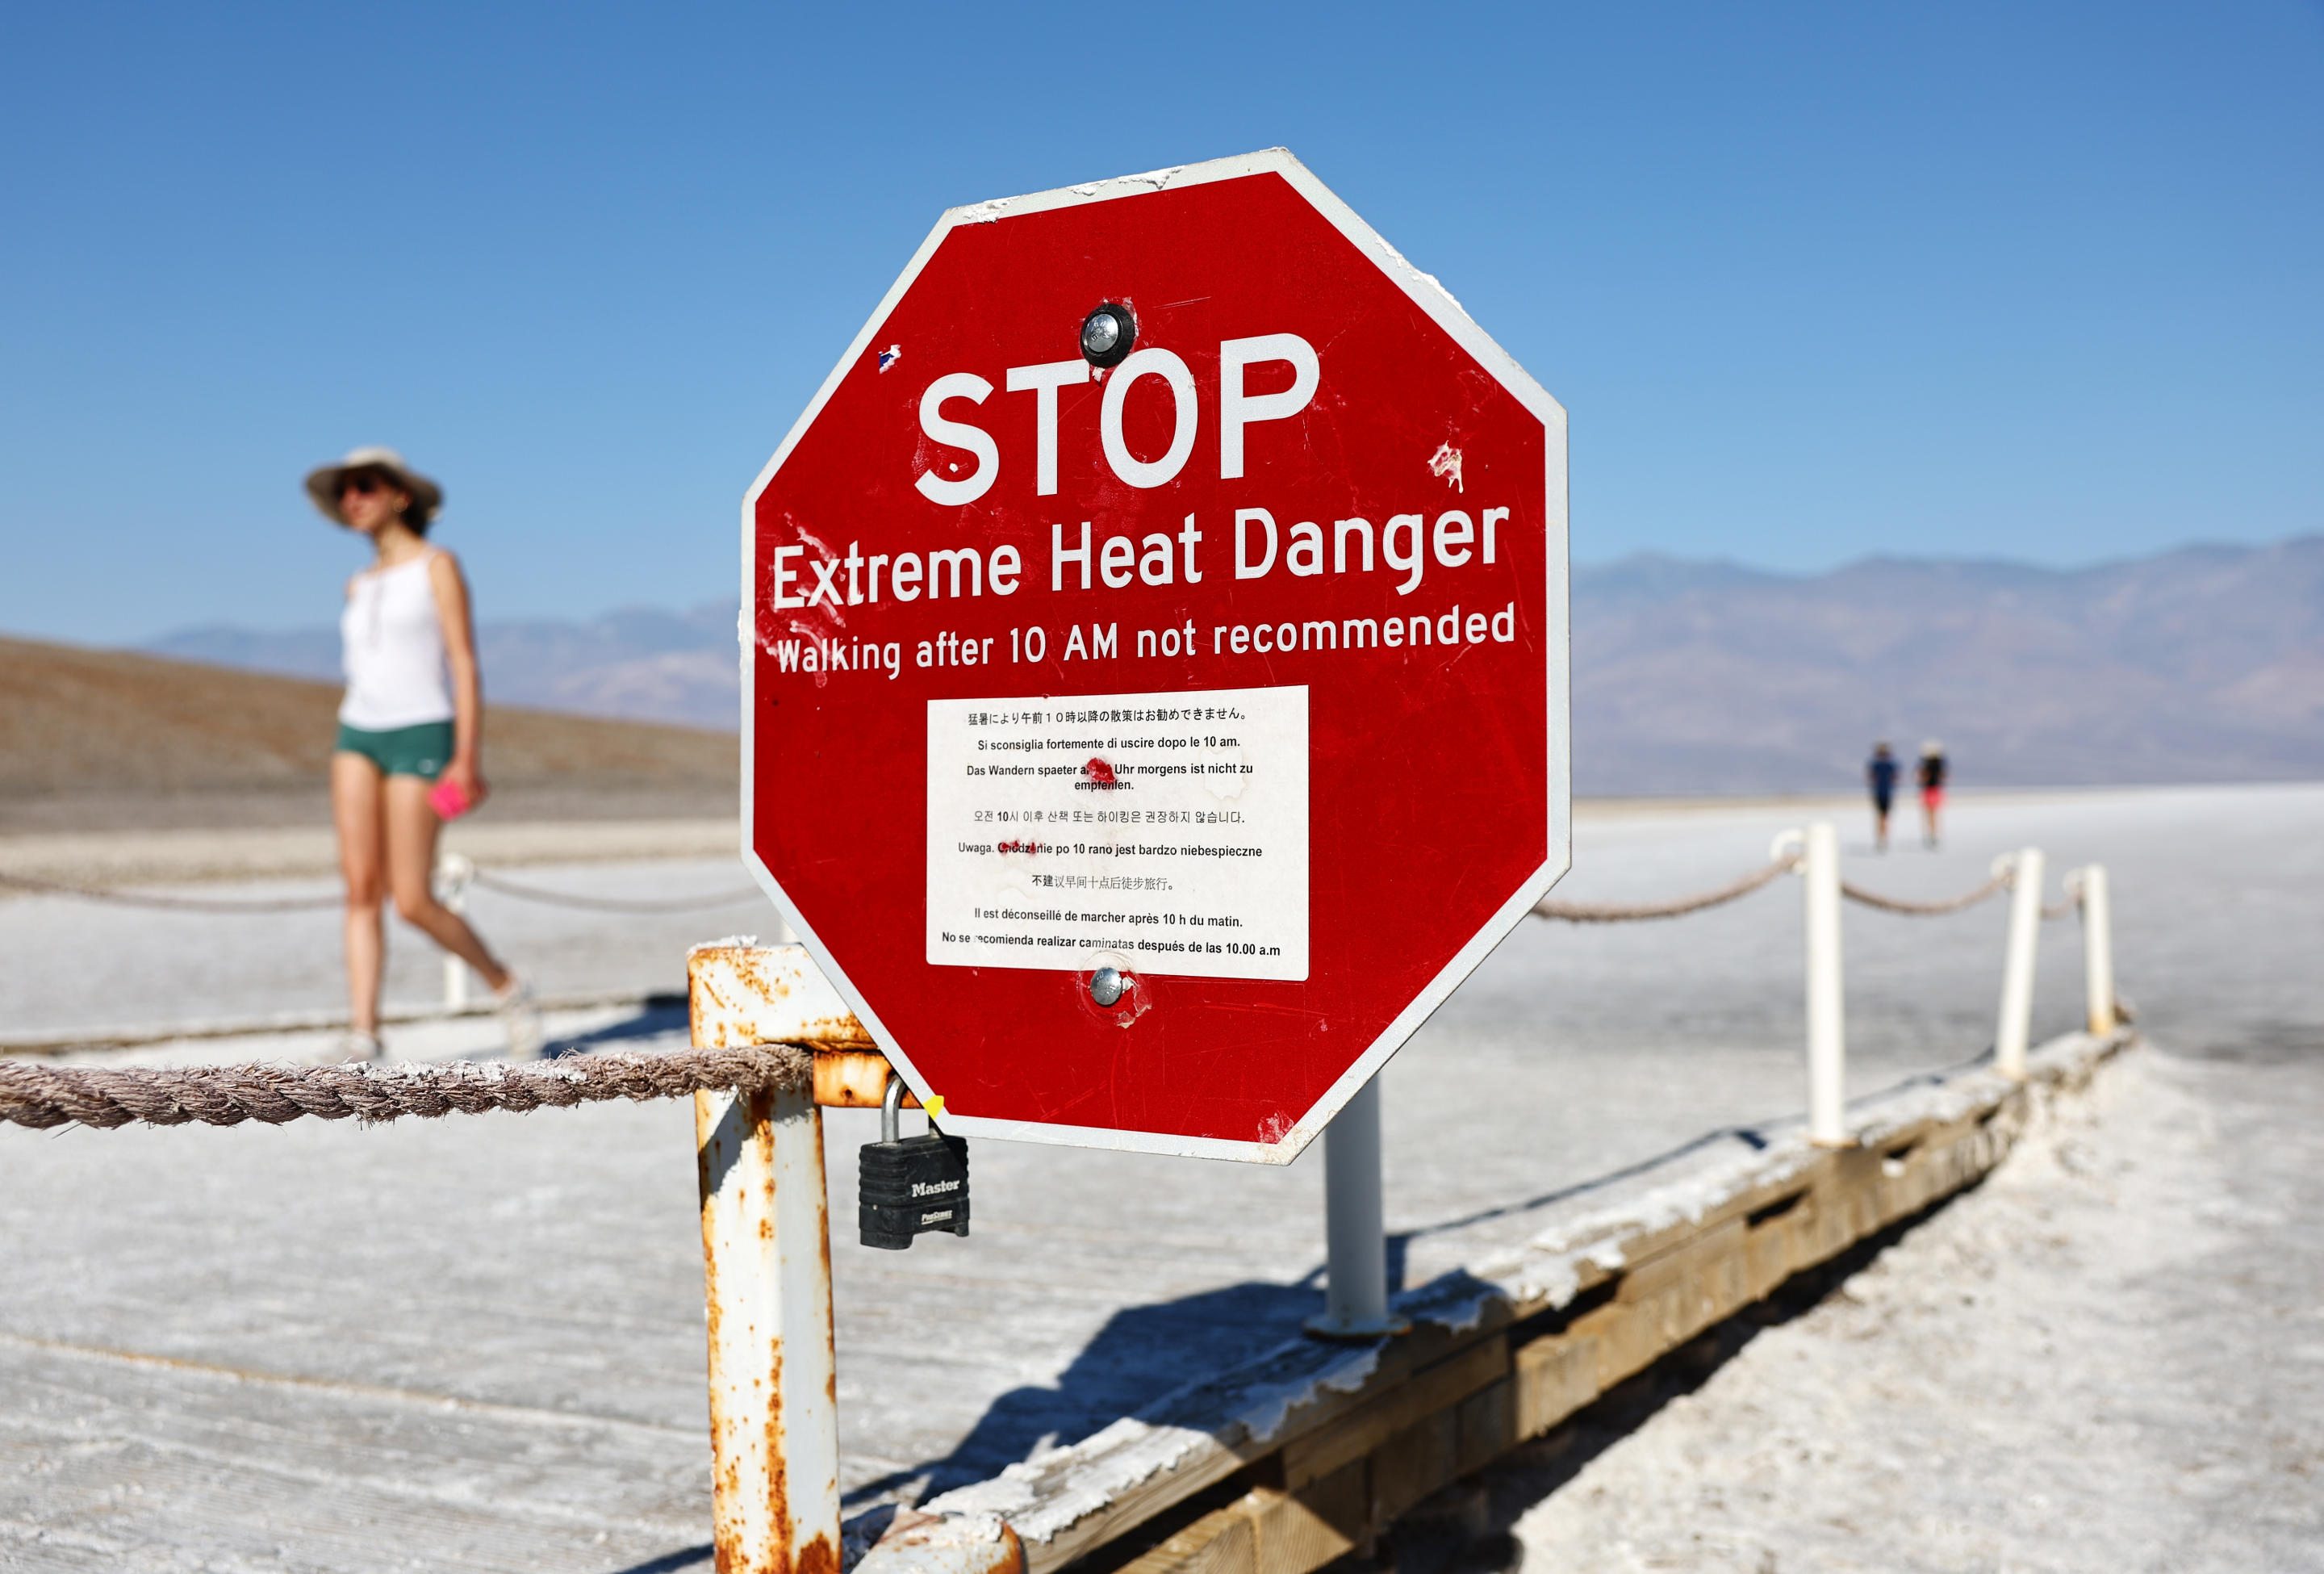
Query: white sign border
[{"x": 1432, "y": 298}]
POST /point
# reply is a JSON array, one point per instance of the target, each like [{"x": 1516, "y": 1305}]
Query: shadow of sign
[{"x": 1140, "y": 1355}]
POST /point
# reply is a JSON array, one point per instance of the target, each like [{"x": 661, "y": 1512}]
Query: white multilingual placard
[{"x": 1158, "y": 833}]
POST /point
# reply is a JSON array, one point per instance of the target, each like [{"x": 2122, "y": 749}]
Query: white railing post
[
  {"x": 453, "y": 873},
  {"x": 766, "y": 1249},
  {"x": 1819, "y": 868},
  {"x": 2011, "y": 1032},
  {"x": 1355, "y": 1229},
  {"x": 2097, "y": 949}
]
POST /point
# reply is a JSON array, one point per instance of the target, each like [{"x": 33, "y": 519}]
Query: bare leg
[
  {"x": 411, "y": 829},
  {"x": 355, "y": 810}
]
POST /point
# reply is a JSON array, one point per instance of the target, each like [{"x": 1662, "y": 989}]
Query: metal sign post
[
  {"x": 766, "y": 1254},
  {"x": 774, "y": 1412},
  {"x": 1355, "y": 1233},
  {"x": 766, "y": 1246}
]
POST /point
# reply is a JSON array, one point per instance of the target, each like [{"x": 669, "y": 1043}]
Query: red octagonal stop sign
[{"x": 1169, "y": 578}]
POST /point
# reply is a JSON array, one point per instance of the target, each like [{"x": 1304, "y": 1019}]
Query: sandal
[{"x": 521, "y": 1017}]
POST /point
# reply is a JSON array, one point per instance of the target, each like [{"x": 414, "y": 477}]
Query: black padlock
[{"x": 909, "y": 1186}]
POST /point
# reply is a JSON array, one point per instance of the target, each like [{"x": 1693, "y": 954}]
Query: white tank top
[{"x": 392, "y": 645}]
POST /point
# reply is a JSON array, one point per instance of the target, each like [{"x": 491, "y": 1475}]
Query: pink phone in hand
[{"x": 447, "y": 799}]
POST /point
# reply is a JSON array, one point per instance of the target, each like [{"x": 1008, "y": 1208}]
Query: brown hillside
[{"x": 93, "y": 739}]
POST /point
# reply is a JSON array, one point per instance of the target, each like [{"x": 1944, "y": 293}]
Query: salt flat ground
[
  {"x": 2110, "y": 1357},
  {"x": 478, "y": 1343}
]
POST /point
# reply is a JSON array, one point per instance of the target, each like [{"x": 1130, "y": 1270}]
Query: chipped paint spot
[
  {"x": 1101, "y": 1467},
  {"x": 1446, "y": 462},
  {"x": 890, "y": 355},
  {"x": 929, "y": 1543},
  {"x": 1155, "y": 179},
  {"x": 1441, "y": 290},
  {"x": 1266, "y": 1406},
  {"x": 934, "y": 1105}
]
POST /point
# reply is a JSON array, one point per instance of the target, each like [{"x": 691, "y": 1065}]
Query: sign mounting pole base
[{"x": 1355, "y": 1304}]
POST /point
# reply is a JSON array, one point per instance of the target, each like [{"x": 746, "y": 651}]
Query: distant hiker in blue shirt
[{"x": 1880, "y": 775}]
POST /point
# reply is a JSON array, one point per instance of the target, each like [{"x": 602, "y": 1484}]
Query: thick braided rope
[
  {"x": 41, "y": 1097},
  {"x": 1925, "y": 908},
  {"x": 1617, "y": 912}
]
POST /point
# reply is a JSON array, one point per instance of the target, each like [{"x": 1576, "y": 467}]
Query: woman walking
[{"x": 410, "y": 730}]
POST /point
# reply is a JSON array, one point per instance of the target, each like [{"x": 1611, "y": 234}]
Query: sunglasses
[{"x": 363, "y": 485}]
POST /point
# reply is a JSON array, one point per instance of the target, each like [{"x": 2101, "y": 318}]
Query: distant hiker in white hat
[{"x": 410, "y": 731}]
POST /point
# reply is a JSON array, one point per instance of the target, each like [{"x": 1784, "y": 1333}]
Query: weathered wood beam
[{"x": 1338, "y": 1442}]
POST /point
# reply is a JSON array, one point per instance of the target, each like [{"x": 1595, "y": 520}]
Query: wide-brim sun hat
[{"x": 324, "y": 484}]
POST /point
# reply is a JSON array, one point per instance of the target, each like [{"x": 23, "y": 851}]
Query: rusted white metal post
[
  {"x": 2012, "y": 1032},
  {"x": 1827, "y": 1033},
  {"x": 1355, "y": 1229},
  {"x": 2097, "y": 949},
  {"x": 766, "y": 1238},
  {"x": 766, "y": 1248},
  {"x": 454, "y": 874}
]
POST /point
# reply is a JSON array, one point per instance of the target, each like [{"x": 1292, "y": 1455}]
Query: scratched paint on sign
[{"x": 1158, "y": 833}]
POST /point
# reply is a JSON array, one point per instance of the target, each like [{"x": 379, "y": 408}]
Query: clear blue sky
[{"x": 2042, "y": 281}]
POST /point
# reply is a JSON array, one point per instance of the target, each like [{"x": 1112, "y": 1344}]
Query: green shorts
[{"x": 422, "y": 751}]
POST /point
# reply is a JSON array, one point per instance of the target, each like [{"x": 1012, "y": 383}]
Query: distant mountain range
[
  {"x": 2205, "y": 664},
  {"x": 637, "y": 664}
]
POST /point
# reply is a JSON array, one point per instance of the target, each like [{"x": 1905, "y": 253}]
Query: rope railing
[
  {"x": 522, "y": 893},
  {"x": 1566, "y": 911},
  {"x": 43, "y": 1097},
  {"x": 1999, "y": 883},
  {"x": 1626, "y": 912},
  {"x": 169, "y": 904},
  {"x": 2072, "y": 900}
]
